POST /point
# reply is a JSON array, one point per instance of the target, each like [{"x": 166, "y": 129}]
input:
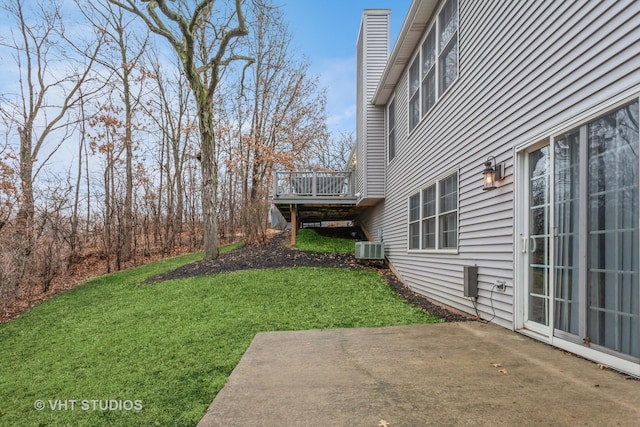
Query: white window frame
[
  {"x": 440, "y": 50},
  {"x": 391, "y": 131},
  {"x": 427, "y": 216},
  {"x": 433, "y": 70},
  {"x": 417, "y": 93},
  {"x": 422, "y": 217},
  {"x": 436, "y": 67},
  {"x": 414, "y": 221}
]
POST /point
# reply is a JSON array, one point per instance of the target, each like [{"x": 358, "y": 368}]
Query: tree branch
[{"x": 154, "y": 24}]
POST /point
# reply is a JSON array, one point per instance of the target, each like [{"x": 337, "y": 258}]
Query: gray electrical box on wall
[{"x": 471, "y": 281}]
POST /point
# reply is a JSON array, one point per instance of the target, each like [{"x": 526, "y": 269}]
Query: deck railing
[{"x": 313, "y": 184}]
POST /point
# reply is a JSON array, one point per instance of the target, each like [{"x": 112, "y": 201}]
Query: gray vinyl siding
[
  {"x": 525, "y": 67},
  {"x": 373, "y": 50},
  {"x": 373, "y": 217},
  {"x": 361, "y": 158}
]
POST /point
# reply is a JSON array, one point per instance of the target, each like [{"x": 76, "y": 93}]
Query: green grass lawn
[
  {"x": 308, "y": 240},
  {"x": 168, "y": 348}
]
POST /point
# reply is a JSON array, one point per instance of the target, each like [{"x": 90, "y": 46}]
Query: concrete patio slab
[{"x": 449, "y": 374}]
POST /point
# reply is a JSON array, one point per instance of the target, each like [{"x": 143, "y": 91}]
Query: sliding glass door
[
  {"x": 580, "y": 249},
  {"x": 569, "y": 246},
  {"x": 537, "y": 242},
  {"x": 612, "y": 228},
  {"x": 596, "y": 222}
]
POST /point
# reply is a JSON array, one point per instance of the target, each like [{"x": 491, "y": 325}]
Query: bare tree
[
  {"x": 105, "y": 143},
  {"x": 45, "y": 98},
  {"x": 202, "y": 34},
  {"x": 172, "y": 115},
  {"x": 285, "y": 114},
  {"x": 233, "y": 166},
  {"x": 74, "y": 238},
  {"x": 51, "y": 71},
  {"x": 9, "y": 187},
  {"x": 122, "y": 60},
  {"x": 331, "y": 153}
]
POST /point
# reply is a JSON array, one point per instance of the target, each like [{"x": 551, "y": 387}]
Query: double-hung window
[
  {"x": 448, "y": 49},
  {"x": 429, "y": 217},
  {"x": 391, "y": 130},
  {"x": 414, "y": 94},
  {"x": 448, "y": 212},
  {"x": 435, "y": 66},
  {"x": 414, "y": 221},
  {"x": 429, "y": 71},
  {"x": 433, "y": 215}
]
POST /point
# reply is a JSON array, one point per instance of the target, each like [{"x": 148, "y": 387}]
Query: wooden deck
[
  {"x": 313, "y": 186},
  {"x": 310, "y": 196}
]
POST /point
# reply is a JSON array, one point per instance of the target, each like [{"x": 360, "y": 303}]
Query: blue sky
[{"x": 325, "y": 32}]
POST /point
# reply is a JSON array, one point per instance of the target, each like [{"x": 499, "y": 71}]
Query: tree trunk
[
  {"x": 127, "y": 225},
  {"x": 178, "y": 168},
  {"x": 26, "y": 211},
  {"x": 205, "y": 51},
  {"x": 73, "y": 238},
  {"x": 107, "y": 216},
  {"x": 128, "y": 197},
  {"x": 209, "y": 168}
]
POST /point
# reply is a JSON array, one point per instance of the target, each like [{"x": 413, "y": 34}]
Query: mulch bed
[{"x": 277, "y": 254}]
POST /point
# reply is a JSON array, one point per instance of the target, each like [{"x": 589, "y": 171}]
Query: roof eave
[{"x": 419, "y": 15}]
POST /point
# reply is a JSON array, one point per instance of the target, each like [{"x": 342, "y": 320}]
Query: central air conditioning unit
[{"x": 370, "y": 250}]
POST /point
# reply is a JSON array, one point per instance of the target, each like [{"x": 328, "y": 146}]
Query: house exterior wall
[
  {"x": 372, "y": 219},
  {"x": 372, "y": 53},
  {"x": 525, "y": 68}
]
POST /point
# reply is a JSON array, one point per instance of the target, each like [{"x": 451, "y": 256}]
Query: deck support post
[{"x": 294, "y": 224}]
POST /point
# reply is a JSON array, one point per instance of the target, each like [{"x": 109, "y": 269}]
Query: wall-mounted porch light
[{"x": 492, "y": 172}]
